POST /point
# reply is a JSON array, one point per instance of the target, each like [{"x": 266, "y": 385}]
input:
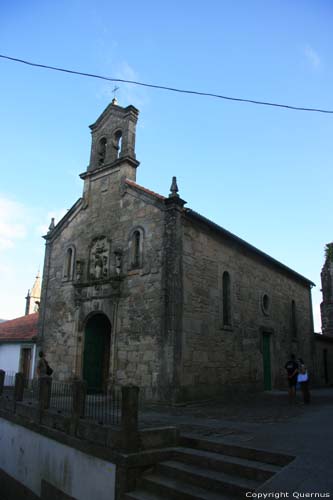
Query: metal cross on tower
[{"x": 114, "y": 100}]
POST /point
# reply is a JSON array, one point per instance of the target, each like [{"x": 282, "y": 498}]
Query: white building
[{"x": 18, "y": 338}]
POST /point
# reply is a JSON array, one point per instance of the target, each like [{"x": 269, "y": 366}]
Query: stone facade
[
  {"x": 176, "y": 304},
  {"x": 265, "y": 300}
]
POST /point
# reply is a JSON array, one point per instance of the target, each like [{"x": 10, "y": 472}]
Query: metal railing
[
  {"x": 9, "y": 380},
  {"x": 61, "y": 396},
  {"x": 118, "y": 407},
  {"x": 68, "y": 398},
  {"x": 104, "y": 407},
  {"x": 31, "y": 391}
]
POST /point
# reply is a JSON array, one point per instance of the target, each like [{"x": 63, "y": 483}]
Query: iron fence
[
  {"x": 61, "y": 396},
  {"x": 104, "y": 407},
  {"x": 9, "y": 380},
  {"x": 31, "y": 391},
  {"x": 66, "y": 397}
]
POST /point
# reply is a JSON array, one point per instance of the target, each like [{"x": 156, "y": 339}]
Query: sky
[{"x": 263, "y": 173}]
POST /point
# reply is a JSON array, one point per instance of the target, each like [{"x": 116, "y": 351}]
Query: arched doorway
[{"x": 96, "y": 355}]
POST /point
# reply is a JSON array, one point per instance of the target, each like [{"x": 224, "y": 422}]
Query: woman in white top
[{"x": 303, "y": 380}]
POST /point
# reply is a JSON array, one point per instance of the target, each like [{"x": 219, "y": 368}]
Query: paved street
[{"x": 267, "y": 421}]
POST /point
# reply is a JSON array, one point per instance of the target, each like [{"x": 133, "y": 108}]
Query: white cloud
[
  {"x": 21, "y": 253},
  {"x": 312, "y": 56},
  {"x": 128, "y": 93},
  {"x": 14, "y": 219}
]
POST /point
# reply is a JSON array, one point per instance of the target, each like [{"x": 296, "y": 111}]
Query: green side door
[{"x": 266, "y": 351}]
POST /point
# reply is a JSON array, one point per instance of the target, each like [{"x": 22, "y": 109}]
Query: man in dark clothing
[{"x": 292, "y": 370}]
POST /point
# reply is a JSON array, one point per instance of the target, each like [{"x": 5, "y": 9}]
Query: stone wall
[
  {"x": 324, "y": 360},
  {"x": 130, "y": 298},
  {"x": 218, "y": 357},
  {"x": 31, "y": 458}
]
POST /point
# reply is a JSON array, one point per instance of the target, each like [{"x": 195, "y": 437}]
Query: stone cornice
[
  {"x": 110, "y": 166},
  {"x": 116, "y": 110}
]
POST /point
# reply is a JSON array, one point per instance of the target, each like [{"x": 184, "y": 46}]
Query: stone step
[
  {"x": 141, "y": 495},
  {"x": 175, "y": 489},
  {"x": 264, "y": 456},
  {"x": 210, "y": 480},
  {"x": 233, "y": 465}
]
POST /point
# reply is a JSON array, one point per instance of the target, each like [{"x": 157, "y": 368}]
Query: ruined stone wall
[
  {"x": 323, "y": 360},
  {"x": 130, "y": 298},
  {"x": 326, "y": 307},
  {"x": 218, "y": 357}
]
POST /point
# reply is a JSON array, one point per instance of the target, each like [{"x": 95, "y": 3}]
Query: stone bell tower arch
[{"x": 113, "y": 140}]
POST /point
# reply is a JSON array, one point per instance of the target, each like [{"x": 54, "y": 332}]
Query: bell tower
[
  {"x": 326, "y": 307},
  {"x": 113, "y": 141},
  {"x": 33, "y": 297}
]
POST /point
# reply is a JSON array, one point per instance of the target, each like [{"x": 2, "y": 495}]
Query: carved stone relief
[{"x": 99, "y": 259}]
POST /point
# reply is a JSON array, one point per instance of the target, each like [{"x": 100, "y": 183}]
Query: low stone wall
[
  {"x": 29, "y": 458},
  {"x": 125, "y": 448}
]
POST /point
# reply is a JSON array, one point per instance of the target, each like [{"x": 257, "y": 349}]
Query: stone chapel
[{"x": 138, "y": 289}]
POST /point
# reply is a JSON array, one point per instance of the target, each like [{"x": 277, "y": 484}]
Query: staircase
[{"x": 208, "y": 470}]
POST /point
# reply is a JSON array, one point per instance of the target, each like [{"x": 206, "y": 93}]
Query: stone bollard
[
  {"x": 79, "y": 388},
  {"x": 79, "y": 392},
  {"x": 19, "y": 387},
  {"x": 129, "y": 416},
  {"x": 2, "y": 380},
  {"x": 45, "y": 385}
]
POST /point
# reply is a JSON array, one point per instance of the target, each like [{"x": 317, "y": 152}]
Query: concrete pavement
[{"x": 266, "y": 421}]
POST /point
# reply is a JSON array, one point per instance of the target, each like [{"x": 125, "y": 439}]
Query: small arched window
[
  {"x": 136, "y": 248},
  {"x": 117, "y": 143},
  {"x": 102, "y": 151},
  {"x": 265, "y": 304},
  {"x": 69, "y": 263},
  {"x": 226, "y": 299}
]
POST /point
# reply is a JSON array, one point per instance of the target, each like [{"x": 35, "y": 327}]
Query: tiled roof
[
  {"x": 19, "y": 329},
  {"x": 145, "y": 190}
]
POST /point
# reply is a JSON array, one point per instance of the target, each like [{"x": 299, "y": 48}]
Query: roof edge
[
  {"x": 196, "y": 216},
  {"x": 51, "y": 234},
  {"x": 136, "y": 186}
]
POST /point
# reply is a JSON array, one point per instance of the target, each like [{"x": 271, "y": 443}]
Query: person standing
[
  {"x": 303, "y": 380},
  {"x": 44, "y": 372},
  {"x": 43, "y": 368},
  {"x": 42, "y": 365},
  {"x": 292, "y": 370}
]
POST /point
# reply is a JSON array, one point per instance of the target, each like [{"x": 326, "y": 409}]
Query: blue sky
[{"x": 263, "y": 173}]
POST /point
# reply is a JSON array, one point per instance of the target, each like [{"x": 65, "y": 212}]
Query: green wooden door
[
  {"x": 266, "y": 351},
  {"x": 96, "y": 352}
]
